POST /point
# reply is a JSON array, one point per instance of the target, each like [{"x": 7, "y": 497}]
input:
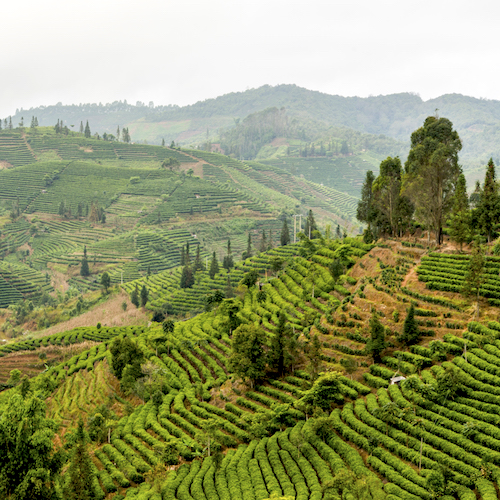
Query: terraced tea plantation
[
  {"x": 345, "y": 174},
  {"x": 446, "y": 272},
  {"x": 132, "y": 208},
  {"x": 188, "y": 427}
]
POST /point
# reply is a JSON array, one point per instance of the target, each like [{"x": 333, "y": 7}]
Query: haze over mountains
[{"x": 396, "y": 116}]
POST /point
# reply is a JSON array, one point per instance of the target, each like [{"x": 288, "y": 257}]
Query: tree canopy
[
  {"x": 432, "y": 171},
  {"x": 248, "y": 359},
  {"x": 29, "y": 462}
]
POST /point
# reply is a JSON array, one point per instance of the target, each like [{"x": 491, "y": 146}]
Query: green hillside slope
[
  {"x": 476, "y": 120},
  {"x": 185, "y": 424},
  {"x": 132, "y": 210}
]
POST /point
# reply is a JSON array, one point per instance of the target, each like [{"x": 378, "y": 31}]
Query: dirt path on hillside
[
  {"x": 412, "y": 274},
  {"x": 28, "y": 145}
]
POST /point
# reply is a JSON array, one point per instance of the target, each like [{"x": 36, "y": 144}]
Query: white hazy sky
[{"x": 185, "y": 51}]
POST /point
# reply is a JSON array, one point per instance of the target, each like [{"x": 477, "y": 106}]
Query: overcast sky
[{"x": 185, "y": 51}]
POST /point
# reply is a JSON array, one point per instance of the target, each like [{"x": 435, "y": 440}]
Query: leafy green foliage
[
  {"x": 80, "y": 472},
  {"x": 248, "y": 359},
  {"x": 28, "y": 462},
  {"x": 125, "y": 352},
  {"x": 376, "y": 344},
  {"x": 432, "y": 170},
  {"x": 324, "y": 392},
  {"x": 411, "y": 334}
]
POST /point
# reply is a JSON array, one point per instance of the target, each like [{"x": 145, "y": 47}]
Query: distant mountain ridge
[{"x": 396, "y": 115}]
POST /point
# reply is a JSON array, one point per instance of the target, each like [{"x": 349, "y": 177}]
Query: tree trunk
[{"x": 439, "y": 235}]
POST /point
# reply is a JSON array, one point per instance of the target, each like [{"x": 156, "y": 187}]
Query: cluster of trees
[
  {"x": 331, "y": 149},
  {"x": 252, "y": 134},
  {"x": 189, "y": 268},
  {"x": 59, "y": 127},
  {"x": 95, "y": 213},
  {"x": 7, "y": 124},
  {"x": 139, "y": 299},
  {"x": 171, "y": 163},
  {"x": 138, "y": 375},
  {"x": 29, "y": 462},
  {"x": 423, "y": 192},
  {"x": 251, "y": 360},
  {"x": 376, "y": 344}
]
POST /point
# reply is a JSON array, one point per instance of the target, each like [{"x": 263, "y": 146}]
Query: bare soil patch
[{"x": 110, "y": 313}]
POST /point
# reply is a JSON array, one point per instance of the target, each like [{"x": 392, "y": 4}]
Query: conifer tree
[
  {"x": 187, "y": 278},
  {"x": 183, "y": 256},
  {"x": 313, "y": 354},
  {"x": 80, "y": 472},
  {"x": 474, "y": 277},
  {"x": 214, "y": 267},
  {"x": 488, "y": 211},
  {"x": 279, "y": 356},
  {"x": 228, "y": 262},
  {"x": 248, "y": 252},
  {"x": 125, "y": 135},
  {"x": 81, "y": 128},
  {"x": 10, "y": 123},
  {"x": 29, "y": 464},
  {"x": 134, "y": 297},
  {"x": 118, "y": 133},
  {"x": 105, "y": 281},
  {"x": 84, "y": 269},
  {"x": 376, "y": 343},
  {"x": 198, "y": 263},
  {"x": 285, "y": 234},
  {"x": 460, "y": 219},
  {"x": 310, "y": 225},
  {"x": 87, "y": 132},
  {"x": 263, "y": 242},
  {"x": 410, "y": 334},
  {"x": 144, "y": 295},
  {"x": 229, "y": 292}
]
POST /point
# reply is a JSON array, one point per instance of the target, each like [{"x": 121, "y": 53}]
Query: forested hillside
[{"x": 396, "y": 116}]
